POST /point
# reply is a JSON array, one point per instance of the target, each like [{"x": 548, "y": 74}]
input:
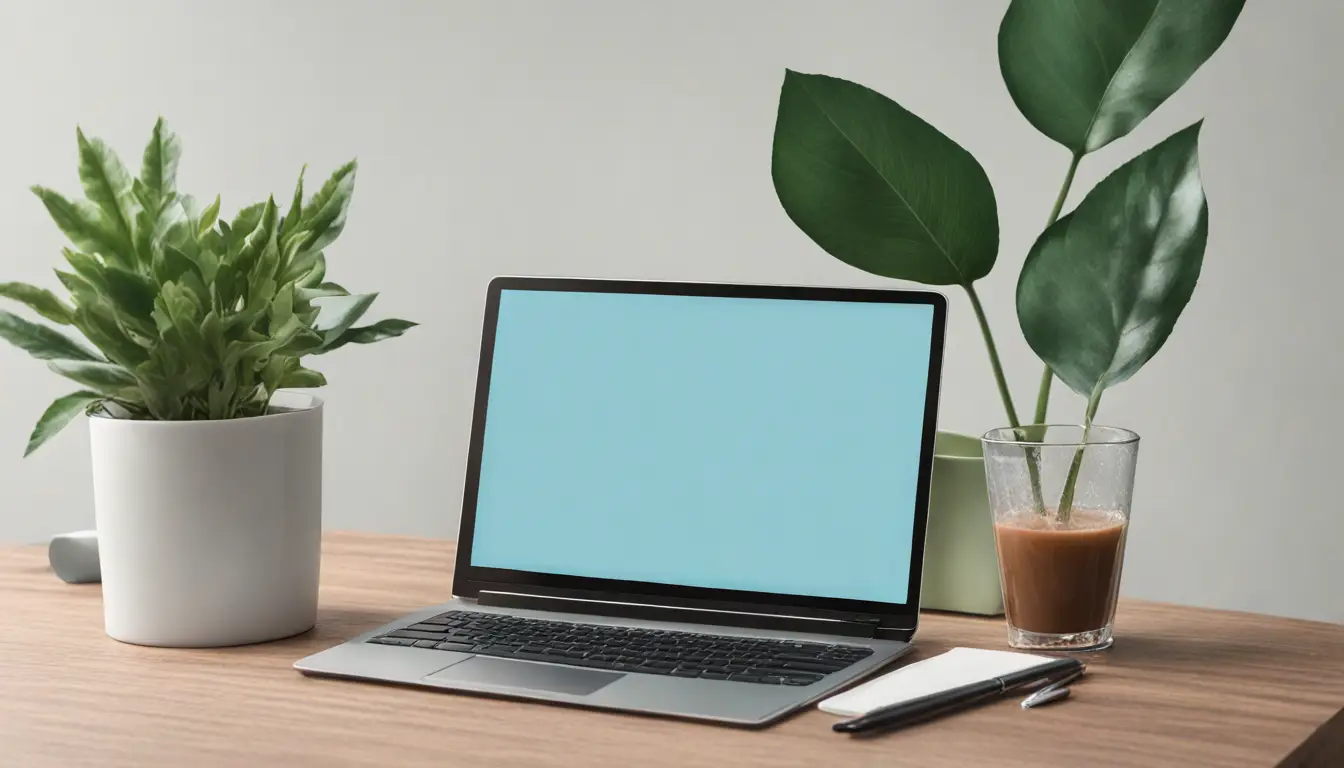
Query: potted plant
[
  {"x": 207, "y": 477},
  {"x": 1098, "y": 294}
]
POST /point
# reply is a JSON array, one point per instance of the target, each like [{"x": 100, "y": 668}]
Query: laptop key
[
  {"x": 684, "y": 672},
  {"x": 712, "y": 675},
  {"x": 646, "y": 669},
  {"x": 772, "y": 680},
  {"x": 426, "y": 643},
  {"x": 501, "y": 650},
  {"x": 460, "y": 647},
  {"x": 385, "y": 640},
  {"x": 808, "y": 666},
  {"x": 527, "y": 656},
  {"x": 741, "y": 678},
  {"x": 426, "y": 627},
  {"x": 414, "y": 635}
]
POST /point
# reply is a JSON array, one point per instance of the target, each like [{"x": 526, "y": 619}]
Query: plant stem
[
  {"x": 1032, "y": 468},
  {"x": 1043, "y": 393},
  {"x": 993, "y": 357},
  {"x": 1071, "y": 482}
]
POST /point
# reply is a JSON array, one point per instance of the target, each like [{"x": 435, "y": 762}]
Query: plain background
[{"x": 632, "y": 139}]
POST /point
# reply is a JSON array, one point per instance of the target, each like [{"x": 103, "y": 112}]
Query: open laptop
[{"x": 697, "y": 500}]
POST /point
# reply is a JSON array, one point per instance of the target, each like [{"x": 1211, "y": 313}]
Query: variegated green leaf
[
  {"x": 107, "y": 185},
  {"x": 338, "y": 313},
  {"x": 86, "y": 225},
  {"x": 58, "y": 415},
  {"x": 40, "y": 341},
  {"x": 324, "y": 216},
  {"x": 302, "y": 378},
  {"x": 158, "y": 167},
  {"x": 108, "y": 378},
  {"x": 368, "y": 334},
  {"x": 294, "y": 216},
  {"x": 321, "y": 291},
  {"x": 40, "y": 300}
]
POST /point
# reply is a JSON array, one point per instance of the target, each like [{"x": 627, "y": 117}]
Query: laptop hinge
[{"x": 849, "y": 626}]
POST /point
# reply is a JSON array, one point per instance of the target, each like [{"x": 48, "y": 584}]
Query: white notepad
[{"x": 959, "y": 666}]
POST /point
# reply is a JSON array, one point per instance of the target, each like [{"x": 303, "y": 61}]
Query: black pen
[{"x": 956, "y": 699}]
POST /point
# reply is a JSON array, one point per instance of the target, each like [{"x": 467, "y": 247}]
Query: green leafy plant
[
  {"x": 189, "y": 316},
  {"x": 1102, "y": 287}
]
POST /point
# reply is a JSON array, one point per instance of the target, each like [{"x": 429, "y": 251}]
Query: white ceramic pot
[{"x": 209, "y": 532}]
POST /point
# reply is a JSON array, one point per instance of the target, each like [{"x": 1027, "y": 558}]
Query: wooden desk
[{"x": 1181, "y": 687}]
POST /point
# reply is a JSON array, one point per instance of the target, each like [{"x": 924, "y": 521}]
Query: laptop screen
[{"x": 768, "y": 445}]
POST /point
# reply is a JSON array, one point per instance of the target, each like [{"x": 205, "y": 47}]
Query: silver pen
[{"x": 1053, "y": 692}]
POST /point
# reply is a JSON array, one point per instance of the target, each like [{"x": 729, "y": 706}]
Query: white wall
[{"x": 633, "y": 139}]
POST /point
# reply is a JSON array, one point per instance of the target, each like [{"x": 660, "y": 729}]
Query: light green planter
[{"x": 961, "y": 566}]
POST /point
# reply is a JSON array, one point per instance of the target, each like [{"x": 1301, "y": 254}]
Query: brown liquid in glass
[{"x": 1060, "y": 579}]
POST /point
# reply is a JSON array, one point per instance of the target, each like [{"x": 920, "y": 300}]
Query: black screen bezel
[{"x": 469, "y": 580}]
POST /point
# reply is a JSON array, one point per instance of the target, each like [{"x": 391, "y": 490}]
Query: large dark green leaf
[
  {"x": 40, "y": 300},
  {"x": 1101, "y": 289},
  {"x": 1085, "y": 72},
  {"x": 58, "y": 415},
  {"x": 879, "y": 188},
  {"x": 40, "y": 341}
]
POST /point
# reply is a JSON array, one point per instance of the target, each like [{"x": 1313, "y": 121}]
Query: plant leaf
[
  {"x": 97, "y": 321},
  {"x": 368, "y": 334},
  {"x": 338, "y": 313},
  {"x": 1102, "y": 288},
  {"x": 208, "y": 217},
  {"x": 40, "y": 341},
  {"x": 324, "y": 216},
  {"x": 321, "y": 291},
  {"x": 108, "y": 378},
  {"x": 302, "y": 378},
  {"x": 259, "y": 238},
  {"x": 878, "y": 188},
  {"x": 107, "y": 184},
  {"x": 158, "y": 167},
  {"x": 58, "y": 415},
  {"x": 295, "y": 215},
  {"x": 131, "y": 293},
  {"x": 40, "y": 300},
  {"x": 1086, "y": 72},
  {"x": 86, "y": 226}
]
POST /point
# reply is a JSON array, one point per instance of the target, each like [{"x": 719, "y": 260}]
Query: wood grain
[{"x": 1182, "y": 686}]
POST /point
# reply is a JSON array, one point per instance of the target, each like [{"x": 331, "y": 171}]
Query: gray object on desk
[{"x": 74, "y": 557}]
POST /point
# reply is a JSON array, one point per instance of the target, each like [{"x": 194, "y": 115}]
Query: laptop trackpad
[{"x": 522, "y": 674}]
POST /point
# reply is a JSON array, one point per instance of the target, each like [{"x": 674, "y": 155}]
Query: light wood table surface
[{"x": 1182, "y": 686}]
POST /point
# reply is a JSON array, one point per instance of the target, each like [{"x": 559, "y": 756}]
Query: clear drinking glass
[{"x": 1060, "y": 552}]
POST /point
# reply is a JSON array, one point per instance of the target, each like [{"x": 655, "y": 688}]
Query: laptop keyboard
[{"x": 629, "y": 649}]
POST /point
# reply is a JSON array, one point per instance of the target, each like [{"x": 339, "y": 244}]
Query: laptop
[{"x": 697, "y": 500}]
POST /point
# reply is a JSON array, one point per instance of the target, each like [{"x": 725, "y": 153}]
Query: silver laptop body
[{"x": 537, "y": 552}]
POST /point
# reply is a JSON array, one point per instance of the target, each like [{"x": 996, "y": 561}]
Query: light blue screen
[{"x": 755, "y": 444}]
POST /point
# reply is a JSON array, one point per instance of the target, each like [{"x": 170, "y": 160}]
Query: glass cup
[{"x": 1060, "y": 497}]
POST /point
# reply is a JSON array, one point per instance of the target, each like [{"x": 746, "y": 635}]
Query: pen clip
[{"x": 1051, "y": 690}]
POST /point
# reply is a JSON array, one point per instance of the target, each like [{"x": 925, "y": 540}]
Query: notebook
[{"x": 957, "y": 667}]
